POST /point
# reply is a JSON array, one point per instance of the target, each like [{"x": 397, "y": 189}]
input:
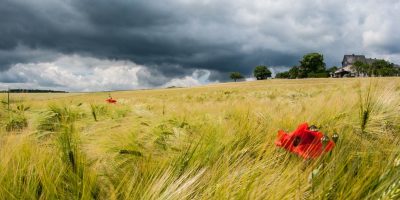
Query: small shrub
[{"x": 317, "y": 75}]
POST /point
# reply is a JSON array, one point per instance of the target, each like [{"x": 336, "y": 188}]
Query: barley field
[{"x": 209, "y": 142}]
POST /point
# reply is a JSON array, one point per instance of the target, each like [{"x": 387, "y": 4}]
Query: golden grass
[{"x": 209, "y": 142}]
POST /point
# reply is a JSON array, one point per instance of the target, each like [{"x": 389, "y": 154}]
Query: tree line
[
  {"x": 312, "y": 65},
  {"x": 377, "y": 68},
  {"x": 31, "y": 91},
  {"x": 260, "y": 73}
]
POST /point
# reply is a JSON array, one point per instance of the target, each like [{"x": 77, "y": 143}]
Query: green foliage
[
  {"x": 294, "y": 72},
  {"x": 360, "y": 67},
  {"x": 377, "y": 68},
  {"x": 283, "y": 75},
  {"x": 312, "y": 62},
  {"x": 262, "y": 72},
  {"x": 312, "y": 65},
  {"x": 383, "y": 68},
  {"x": 318, "y": 75},
  {"x": 332, "y": 69},
  {"x": 236, "y": 75}
]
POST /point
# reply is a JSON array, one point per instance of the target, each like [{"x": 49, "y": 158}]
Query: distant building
[
  {"x": 351, "y": 59},
  {"x": 347, "y": 65}
]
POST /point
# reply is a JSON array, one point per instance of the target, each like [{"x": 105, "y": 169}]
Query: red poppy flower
[
  {"x": 111, "y": 100},
  {"x": 304, "y": 142}
]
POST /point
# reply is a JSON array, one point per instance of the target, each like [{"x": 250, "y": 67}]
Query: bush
[
  {"x": 282, "y": 75},
  {"x": 318, "y": 75}
]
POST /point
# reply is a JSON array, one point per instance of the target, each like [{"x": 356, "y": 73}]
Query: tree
[
  {"x": 397, "y": 70},
  {"x": 312, "y": 62},
  {"x": 262, "y": 72},
  {"x": 333, "y": 69},
  {"x": 318, "y": 74},
  {"x": 365, "y": 69},
  {"x": 294, "y": 72},
  {"x": 282, "y": 75},
  {"x": 359, "y": 67},
  {"x": 236, "y": 75},
  {"x": 383, "y": 68}
]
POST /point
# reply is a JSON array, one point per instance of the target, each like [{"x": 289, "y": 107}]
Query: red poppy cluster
[
  {"x": 305, "y": 142},
  {"x": 111, "y": 100}
]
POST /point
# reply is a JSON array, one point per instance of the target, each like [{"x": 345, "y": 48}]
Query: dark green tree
[
  {"x": 312, "y": 62},
  {"x": 294, "y": 72},
  {"x": 333, "y": 69},
  {"x": 236, "y": 75},
  {"x": 262, "y": 72},
  {"x": 383, "y": 68},
  {"x": 282, "y": 75}
]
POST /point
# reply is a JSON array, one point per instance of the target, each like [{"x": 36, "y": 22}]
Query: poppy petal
[{"x": 304, "y": 142}]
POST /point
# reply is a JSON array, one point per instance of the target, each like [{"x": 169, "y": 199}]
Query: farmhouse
[{"x": 347, "y": 64}]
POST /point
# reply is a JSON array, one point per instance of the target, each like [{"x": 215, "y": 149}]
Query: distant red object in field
[
  {"x": 111, "y": 100},
  {"x": 305, "y": 142}
]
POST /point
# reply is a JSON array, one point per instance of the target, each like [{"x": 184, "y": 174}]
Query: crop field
[{"x": 210, "y": 142}]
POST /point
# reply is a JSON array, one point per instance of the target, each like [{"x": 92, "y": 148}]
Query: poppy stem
[
  {"x": 299, "y": 181},
  {"x": 323, "y": 170},
  {"x": 8, "y": 100},
  {"x": 163, "y": 108}
]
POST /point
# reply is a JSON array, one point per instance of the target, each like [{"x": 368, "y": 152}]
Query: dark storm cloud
[
  {"x": 172, "y": 38},
  {"x": 148, "y": 33}
]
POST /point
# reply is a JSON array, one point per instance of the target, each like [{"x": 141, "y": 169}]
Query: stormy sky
[{"x": 92, "y": 45}]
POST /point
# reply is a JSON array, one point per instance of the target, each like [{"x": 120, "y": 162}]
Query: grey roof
[
  {"x": 354, "y": 58},
  {"x": 345, "y": 69},
  {"x": 351, "y": 59},
  {"x": 371, "y": 60}
]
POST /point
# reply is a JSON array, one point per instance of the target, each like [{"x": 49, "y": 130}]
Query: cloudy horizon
[{"x": 84, "y": 45}]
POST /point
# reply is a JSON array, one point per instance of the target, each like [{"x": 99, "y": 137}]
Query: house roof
[
  {"x": 350, "y": 59},
  {"x": 370, "y": 60},
  {"x": 348, "y": 69}
]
